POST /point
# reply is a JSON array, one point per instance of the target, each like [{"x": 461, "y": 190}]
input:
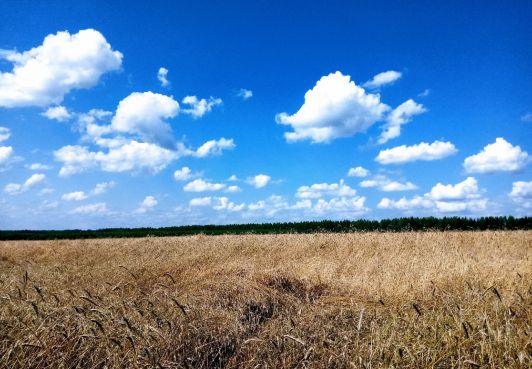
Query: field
[{"x": 357, "y": 300}]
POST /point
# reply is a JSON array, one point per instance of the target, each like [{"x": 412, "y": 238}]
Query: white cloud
[
  {"x": 75, "y": 196},
  {"x": 522, "y": 194},
  {"x": 259, "y": 181},
  {"x": 223, "y": 203},
  {"x": 144, "y": 114},
  {"x": 426, "y": 92},
  {"x": 348, "y": 206},
  {"x": 64, "y": 62},
  {"x": 102, "y": 187},
  {"x": 400, "y": 115},
  {"x": 358, "y": 172},
  {"x": 422, "y": 151},
  {"x": 5, "y": 133},
  {"x": 233, "y": 188},
  {"x": 38, "y": 166},
  {"x": 182, "y": 174},
  {"x": 245, "y": 94},
  {"x": 319, "y": 190},
  {"x": 200, "y": 201},
  {"x": 59, "y": 113},
  {"x": 463, "y": 196},
  {"x": 97, "y": 208},
  {"x": 215, "y": 147},
  {"x": 233, "y": 178},
  {"x": 335, "y": 107},
  {"x": 16, "y": 188},
  {"x": 383, "y": 183},
  {"x": 161, "y": 76},
  {"x": 199, "y": 107},
  {"x": 148, "y": 203},
  {"x": 382, "y": 79},
  {"x": 6, "y": 157},
  {"x": 200, "y": 185},
  {"x": 500, "y": 156}
]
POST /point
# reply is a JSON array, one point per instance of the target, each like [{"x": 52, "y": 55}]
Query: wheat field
[{"x": 358, "y": 300}]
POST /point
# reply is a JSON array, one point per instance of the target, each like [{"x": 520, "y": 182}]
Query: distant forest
[{"x": 345, "y": 226}]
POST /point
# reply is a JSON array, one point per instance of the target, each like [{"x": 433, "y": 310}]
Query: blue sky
[{"x": 159, "y": 113}]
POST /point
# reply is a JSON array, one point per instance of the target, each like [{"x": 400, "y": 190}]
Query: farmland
[{"x": 327, "y": 300}]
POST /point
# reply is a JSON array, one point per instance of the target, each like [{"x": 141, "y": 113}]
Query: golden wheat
[{"x": 361, "y": 300}]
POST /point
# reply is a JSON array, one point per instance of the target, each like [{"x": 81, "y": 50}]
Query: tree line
[{"x": 384, "y": 225}]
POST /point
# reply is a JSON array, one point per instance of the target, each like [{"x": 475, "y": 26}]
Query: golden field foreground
[{"x": 360, "y": 300}]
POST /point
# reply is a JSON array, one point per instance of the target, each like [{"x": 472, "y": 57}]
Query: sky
[{"x": 128, "y": 114}]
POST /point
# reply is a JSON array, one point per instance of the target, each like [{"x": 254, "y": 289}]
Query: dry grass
[{"x": 409, "y": 300}]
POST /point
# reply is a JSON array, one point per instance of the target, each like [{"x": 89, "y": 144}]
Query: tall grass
[{"x": 373, "y": 300}]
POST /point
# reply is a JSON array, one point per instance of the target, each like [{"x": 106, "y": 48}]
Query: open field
[{"x": 358, "y": 300}]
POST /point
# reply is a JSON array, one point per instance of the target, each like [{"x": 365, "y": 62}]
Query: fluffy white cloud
[
  {"x": 59, "y": 113},
  {"x": 233, "y": 188},
  {"x": 45, "y": 74},
  {"x": 200, "y": 201},
  {"x": 102, "y": 187},
  {"x": 38, "y": 166},
  {"x": 90, "y": 209},
  {"x": 383, "y": 183},
  {"x": 259, "y": 181},
  {"x": 233, "y": 178},
  {"x": 358, "y": 172},
  {"x": 16, "y": 188},
  {"x": 162, "y": 74},
  {"x": 200, "y": 185},
  {"x": 463, "y": 196},
  {"x": 223, "y": 203},
  {"x": 131, "y": 156},
  {"x": 6, "y": 157},
  {"x": 148, "y": 203},
  {"x": 144, "y": 114},
  {"x": 245, "y": 94},
  {"x": 199, "y": 107},
  {"x": 401, "y": 115},
  {"x": 423, "y": 151},
  {"x": 182, "y": 174},
  {"x": 74, "y": 196},
  {"x": 5, "y": 133},
  {"x": 341, "y": 206},
  {"x": 319, "y": 190},
  {"x": 522, "y": 194},
  {"x": 500, "y": 156},
  {"x": 214, "y": 147},
  {"x": 335, "y": 107},
  {"x": 382, "y": 79}
]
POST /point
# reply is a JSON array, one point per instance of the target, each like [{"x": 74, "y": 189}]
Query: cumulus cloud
[
  {"x": 522, "y": 194},
  {"x": 148, "y": 203},
  {"x": 223, "y": 203},
  {"x": 200, "y": 185},
  {"x": 245, "y": 94},
  {"x": 43, "y": 75},
  {"x": 381, "y": 79},
  {"x": 214, "y": 147},
  {"x": 335, "y": 107},
  {"x": 162, "y": 76},
  {"x": 358, "y": 172},
  {"x": 199, "y": 107},
  {"x": 16, "y": 188},
  {"x": 422, "y": 151},
  {"x": 5, "y": 133},
  {"x": 200, "y": 201},
  {"x": 144, "y": 114},
  {"x": 233, "y": 188},
  {"x": 259, "y": 181},
  {"x": 74, "y": 196},
  {"x": 6, "y": 157},
  {"x": 461, "y": 197},
  {"x": 91, "y": 209},
  {"x": 182, "y": 174},
  {"x": 102, "y": 187},
  {"x": 341, "y": 206},
  {"x": 399, "y": 116},
  {"x": 500, "y": 156},
  {"x": 385, "y": 184},
  {"x": 319, "y": 190},
  {"x": 59, "y": 113}
]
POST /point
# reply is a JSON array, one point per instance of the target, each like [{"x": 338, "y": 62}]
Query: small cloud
[
  {"x": 148, "y": 203},
  {"x": 358, "y": 172},
  {"x": 422, "y": 151},
  {"x": 38, "y": 166},
  {"x": 102, "y": 187},
  {"x": 259, "y": 181},
  {"x": 5, "y": 133},
  {"x": 215, "y": 147},
  {"x": 75, "y": 196},
  {"x": 199, "y": 107},
  {"x": 527, "y": 118},
  {"x": 200, "y": 185},
  {"x": 233, "y": 178},
  {"x": 500, "y": 156},
  {"x": 426, "y": 92},
  {"x": 382, "y": 79},
  {"x": 399, "y": 116},
  {"x": 16, "y": 188},
  {"x": 91, "y": 209},
  {"x": 182, "y": 174},
  {"x": 161, "y": 76},
  {"x": 245, "y": 94},
  {"x": 385, "y": 184},
  {"x": 233, "y": 188},
  {"x": 58, "y": 113}
]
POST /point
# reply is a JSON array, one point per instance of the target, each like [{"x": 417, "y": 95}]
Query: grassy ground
[{"x": 373, "y": 300}]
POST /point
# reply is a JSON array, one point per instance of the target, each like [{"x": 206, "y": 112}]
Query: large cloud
[
  {"x": 422, "y": 151},
  {"x": 45, "y": 74},
  {"x": 335, "y": 107},
  {"x": 500, "y": 156}
]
